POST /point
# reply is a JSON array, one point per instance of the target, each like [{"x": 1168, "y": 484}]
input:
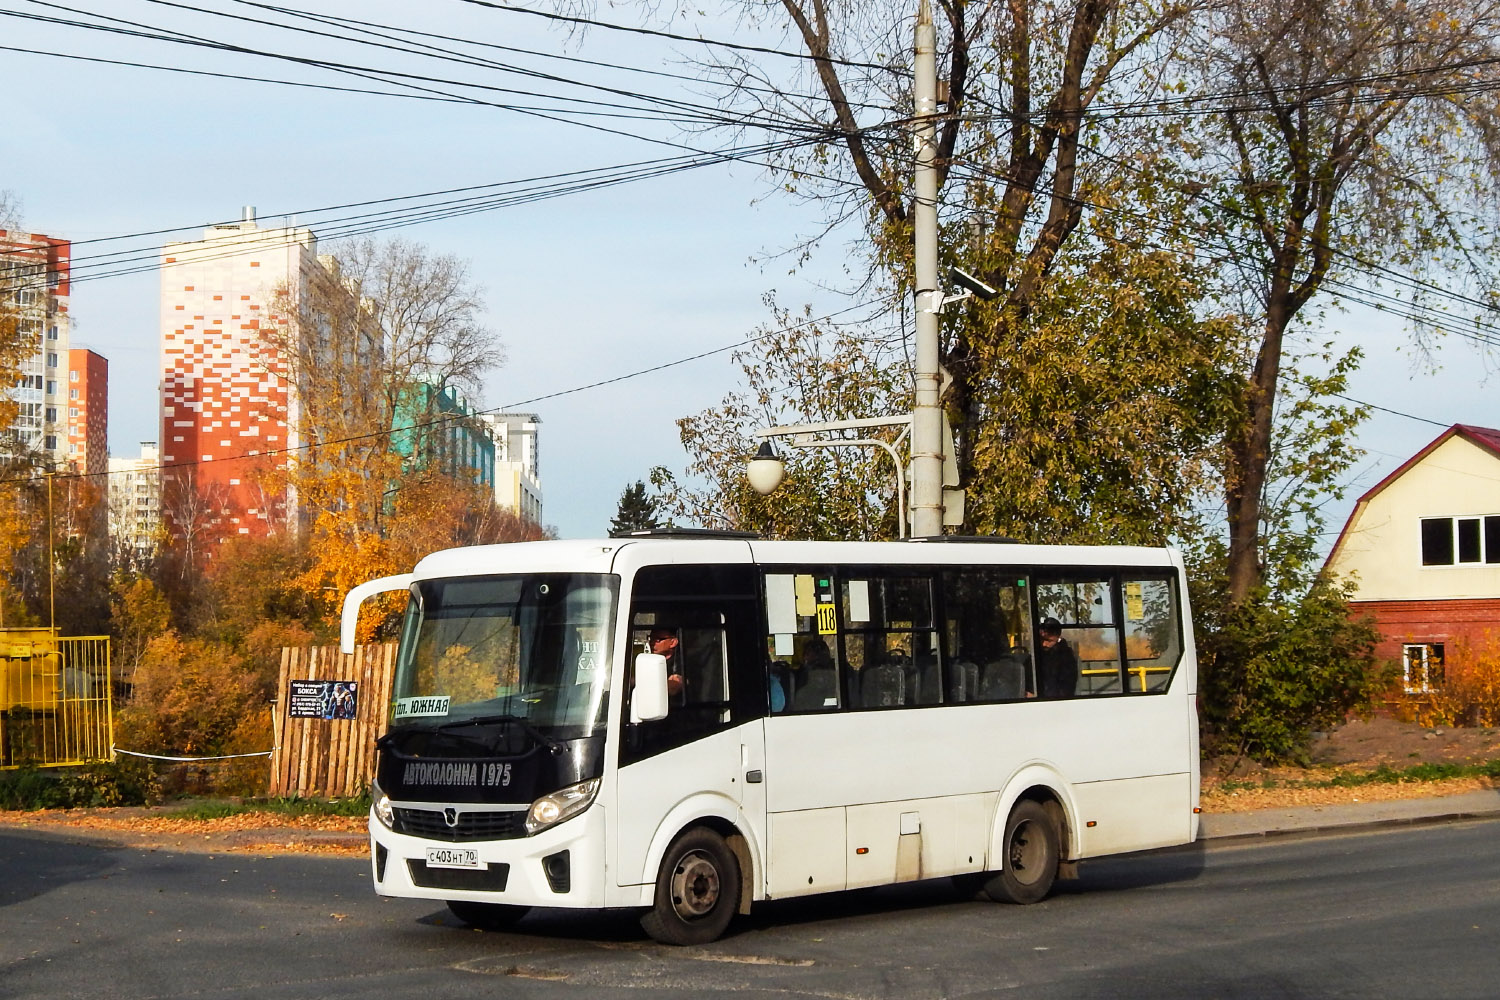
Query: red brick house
[{"x": 1423, "y": 547}]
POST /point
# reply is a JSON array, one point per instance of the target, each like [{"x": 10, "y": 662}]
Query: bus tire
[
  {"x": 1029, "y": 856},
  {"x": 697, "y": 890},
  {"x": 487, "y": 916}
]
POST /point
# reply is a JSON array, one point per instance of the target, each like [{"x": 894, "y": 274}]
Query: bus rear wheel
[
  {"x": 487, "y": 916},
  {"x": 1029, "y": 856},
  {"x": 697, "y": 890}
]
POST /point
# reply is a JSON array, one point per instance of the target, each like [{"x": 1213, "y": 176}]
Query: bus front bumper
[{"x": 560, "y": 866}]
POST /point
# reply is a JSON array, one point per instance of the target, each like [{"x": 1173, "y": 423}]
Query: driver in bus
[{"x": 664, "y": 642}]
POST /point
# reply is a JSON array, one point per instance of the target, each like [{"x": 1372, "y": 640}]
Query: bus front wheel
[
  {"x": 1029, "y": 856},
  {"x": 487, "y": 916},
  {"x": 697, "y": 890}
]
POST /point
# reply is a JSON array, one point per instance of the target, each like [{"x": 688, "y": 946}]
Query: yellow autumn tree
[{"x": 380, "y": 320}]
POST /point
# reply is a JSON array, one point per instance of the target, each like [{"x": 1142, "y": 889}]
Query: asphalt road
[{"x": 1408, "y": 913}]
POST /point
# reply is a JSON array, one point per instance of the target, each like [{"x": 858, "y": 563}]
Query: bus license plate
[{"x": 453, "y": 857}]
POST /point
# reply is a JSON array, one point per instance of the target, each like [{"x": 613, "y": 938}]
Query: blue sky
[{"x": 579, "y": 289}]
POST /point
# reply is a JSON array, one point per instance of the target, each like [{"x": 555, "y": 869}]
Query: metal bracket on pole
[{"x": 800, "y": 436}]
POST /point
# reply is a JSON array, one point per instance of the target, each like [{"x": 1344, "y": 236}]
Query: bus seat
[
  {"x": 963, "y": 677},
  {"x": 926, "y": 680},
  {"x": 883, "y": 686},
  {"x": 1004, "y": 679},
  {"x": 815, "y": 690}
]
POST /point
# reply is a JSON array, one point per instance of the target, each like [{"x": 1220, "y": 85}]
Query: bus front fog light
[
  {"x": 381, "y": 803},
  {"x": 562, "y": 804},
  {"x": 559, "y": 871}
]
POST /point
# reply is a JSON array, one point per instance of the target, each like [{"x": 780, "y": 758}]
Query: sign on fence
[
  {"x": 331, "y": 708},
  {"x": 322, "y": 699}
]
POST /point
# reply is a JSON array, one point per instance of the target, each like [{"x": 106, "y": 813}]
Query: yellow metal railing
[
  {"x": 1140, "y": 672},
  {"x": 55, "y": 699}
]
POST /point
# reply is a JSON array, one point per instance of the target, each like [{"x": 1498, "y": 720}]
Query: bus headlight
[
  {"x": 562, "y": 804},
  {"x": 381, "y": 803}
]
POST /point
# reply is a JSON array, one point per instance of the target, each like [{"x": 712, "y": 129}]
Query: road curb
[
  {"x": 1366, "y": 826},
  {"x": 1348, "y": 817}
]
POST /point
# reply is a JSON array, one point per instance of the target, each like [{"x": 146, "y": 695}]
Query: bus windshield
[{"x": 527, "y": 653}]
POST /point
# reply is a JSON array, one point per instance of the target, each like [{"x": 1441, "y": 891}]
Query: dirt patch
[
  {"x": 1357, "y": 747},
  {"x": 160, "y": 829}
]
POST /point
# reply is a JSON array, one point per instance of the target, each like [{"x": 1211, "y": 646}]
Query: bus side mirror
[{"x": 648, "y": 700}]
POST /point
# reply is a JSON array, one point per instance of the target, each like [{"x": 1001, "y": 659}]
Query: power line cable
[
  {"x": 369, "y": 27},
  {"x": 362, "y": 204},
  {"x": 699, "y": 40},
  {"x": 227, "y": 76},
  {"x": 447, "y": 419},
  {"x": 156, "y": 33},
  {"x": 688, "y": 113},
  {"x": 397, "y": 218},
  {"x": 1472, "y": 329},
  {"x": 1379, "y": 271},
  {"x": 443, "y": 55},
  {"x": 831, "y": 133}
]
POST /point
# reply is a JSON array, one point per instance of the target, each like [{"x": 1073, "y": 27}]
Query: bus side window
[
  {"x": 720, "y": 679},
  {"x": 987, "y": 633},
  {"x": 890, "y": 642},
  {"x": 1153, "y": 635},
  {"x": 801, "y": 632},
  {"x": 1087, "y": 608}
]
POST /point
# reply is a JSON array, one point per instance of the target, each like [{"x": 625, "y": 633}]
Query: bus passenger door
[
  {"x": 753, "y": 794},
  {"x": 707, "y": 757}
]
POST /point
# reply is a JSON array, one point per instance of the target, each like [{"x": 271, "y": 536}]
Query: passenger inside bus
[
  {"x": 818, "y": 686},
  {"x": 779, "y": 681},
  {"x": 1057, "y": 664}
]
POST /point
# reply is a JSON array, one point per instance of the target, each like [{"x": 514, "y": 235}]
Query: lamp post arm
[
  {"x": 795, "y": 430},
  {"x": 868, "y": 443}
]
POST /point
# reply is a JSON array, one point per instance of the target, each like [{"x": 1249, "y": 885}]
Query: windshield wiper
[{"x": 485, "y": 720}]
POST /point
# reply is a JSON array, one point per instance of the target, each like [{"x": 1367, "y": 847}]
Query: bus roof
[{"x": 619, "y": 554}]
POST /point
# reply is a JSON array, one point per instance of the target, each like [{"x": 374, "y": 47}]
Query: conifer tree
[{"x": 637, "y": 511}]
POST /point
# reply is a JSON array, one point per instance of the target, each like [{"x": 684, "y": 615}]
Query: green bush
[
  {"x": 1272, "y": 673},
  {"x": 126, "y": 783}
]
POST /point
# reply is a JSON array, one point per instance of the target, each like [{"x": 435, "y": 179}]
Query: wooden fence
[{"x": 331, "y": 757}]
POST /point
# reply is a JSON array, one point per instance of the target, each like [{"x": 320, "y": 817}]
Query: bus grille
[
  {"x": 491, "y": 878},
  {"x": 429, "y": 823}
]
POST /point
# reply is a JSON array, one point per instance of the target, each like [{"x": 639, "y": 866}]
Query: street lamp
[{"x": 765, "y": 470}]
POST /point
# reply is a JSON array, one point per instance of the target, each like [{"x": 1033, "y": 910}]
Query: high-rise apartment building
[
  {"x": 434, "y": 427},
  {"x": 34, "y": 280},
  {"x": 230, "y": 415},
  {"x": 135, "y": 502},
  {"x": 88, "y": 411},
  {"x": 518, "y": 483}
]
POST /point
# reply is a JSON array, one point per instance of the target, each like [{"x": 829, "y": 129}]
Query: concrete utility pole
[{"x": 927, "y": 415}]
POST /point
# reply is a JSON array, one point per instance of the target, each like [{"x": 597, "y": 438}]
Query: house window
[
  {"x": 1457, "y": 541},
  {"x": 1422, "y": 665},
  {"x": 73, "y": 376}
]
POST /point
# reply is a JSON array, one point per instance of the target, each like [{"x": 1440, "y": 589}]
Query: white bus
[{"x": 689, "y": 723}]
